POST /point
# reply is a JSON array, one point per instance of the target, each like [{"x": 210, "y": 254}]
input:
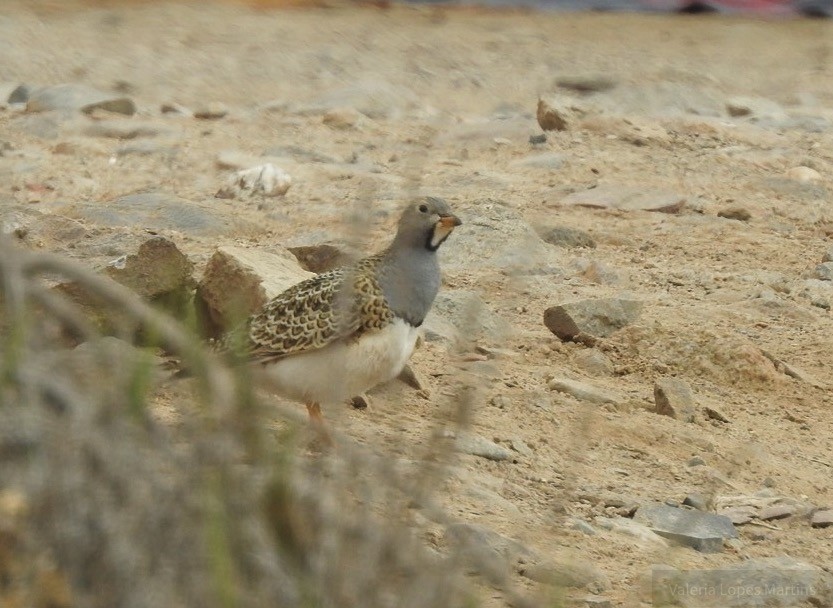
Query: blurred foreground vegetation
[{"x": 101, "y": 504}]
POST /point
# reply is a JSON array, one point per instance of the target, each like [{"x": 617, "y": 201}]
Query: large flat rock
[
  {"x": 597, "y": 318},
  {"x": 158, "y": 211},
  {"x": 703, "y": 532},
  {"x": 237, "y": 282}
]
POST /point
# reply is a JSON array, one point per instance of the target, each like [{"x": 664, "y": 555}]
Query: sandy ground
[{"x": 447, "y": 102}]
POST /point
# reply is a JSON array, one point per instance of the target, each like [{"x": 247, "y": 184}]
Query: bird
[{"x": 344, "y": 331}]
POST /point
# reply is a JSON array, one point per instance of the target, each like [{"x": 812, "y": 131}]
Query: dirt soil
[{"x": 367, "y": 106}]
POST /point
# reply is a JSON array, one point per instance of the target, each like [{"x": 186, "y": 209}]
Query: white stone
[
  {"x": 266, "y": 179},
  {"x": 804, "y": 174}
]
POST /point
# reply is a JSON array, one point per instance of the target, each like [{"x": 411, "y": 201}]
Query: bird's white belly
[{"x": 345, "y": 369}]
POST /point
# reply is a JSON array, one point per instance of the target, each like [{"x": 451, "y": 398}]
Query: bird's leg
[{"x": 317, "y": 420}]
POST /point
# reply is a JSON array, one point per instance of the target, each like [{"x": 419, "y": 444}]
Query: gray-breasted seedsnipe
[{"x": 339, "y": 334}]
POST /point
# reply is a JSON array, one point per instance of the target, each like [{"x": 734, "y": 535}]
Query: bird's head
[{"x": 426, "y": 222}]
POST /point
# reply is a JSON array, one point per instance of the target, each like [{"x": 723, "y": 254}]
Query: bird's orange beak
[{"x": 449, "y": 221}]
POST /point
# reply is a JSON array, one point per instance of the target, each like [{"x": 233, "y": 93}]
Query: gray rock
[
  {"x": 157, "y": 271},
  {"x": 498, "y": 237},
  {"x": 819, "y": 293},
  {"x": 583, "y": 391},
  {"x": 606, "y": 499},
  {"x": 696, "y": 461},
  {"x": 545, "y": 160},
  {"x": 828, "y": 255},
  {"x": 823, "y": 518},
  {"x": 593, "y": 601},
  {"x": 597, "y": 318},
  {"x": 486, "y": 551},
  {"x": 238, "y": 282},
  {"x": 824, "y": 271},
  {"x": 703, "y": 532},
  {"x": 469, "y": 443},
  {"x": 772, "y": 582},
  {"x": 594, "y": 361},
  {"x": 489, "y": 501},
  {"x": 570, "y": 572},
  {"x": 673, "y": 398},
  {"x": 12, "y": 93},
  {"x": 45, "y": 125},
  {"x": 626, "y": 199},
  {"x": 739, "y": 515},
  {"x": 582, "y": 526},
  {"x": 561, "y": 236},
  {"x": 642, "y": 533},
  {"x": 158, "y": 211},
  {"x": 698, "y": 501},
  {"x": 39, "y": 229},
  {"x": 777, "y": 511},
  {"x": 462, "y": 315},
  {"x": 469, "y": 534},
  {"x": 78, "y": 97}
]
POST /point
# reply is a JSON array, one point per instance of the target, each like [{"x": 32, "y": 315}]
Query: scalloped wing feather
[{"x": 338, "y": 305}]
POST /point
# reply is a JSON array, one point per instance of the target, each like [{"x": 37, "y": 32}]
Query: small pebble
[
  {"x": 715, "y": 414},
  {"x": 824, "y": 271},
  {"x": 735, "y": 213},
  {"x": 822, "y": 518},
  {"x": 550, "y": 118},
  {"x": 213, "y": 111},
  {"x": 698, "y": 501}
]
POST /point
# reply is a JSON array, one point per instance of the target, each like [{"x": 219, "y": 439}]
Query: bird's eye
[{"x": 423, "y": 208}]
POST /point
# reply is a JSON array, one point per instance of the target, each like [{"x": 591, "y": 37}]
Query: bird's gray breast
[{"x": 410, "y": 284}]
